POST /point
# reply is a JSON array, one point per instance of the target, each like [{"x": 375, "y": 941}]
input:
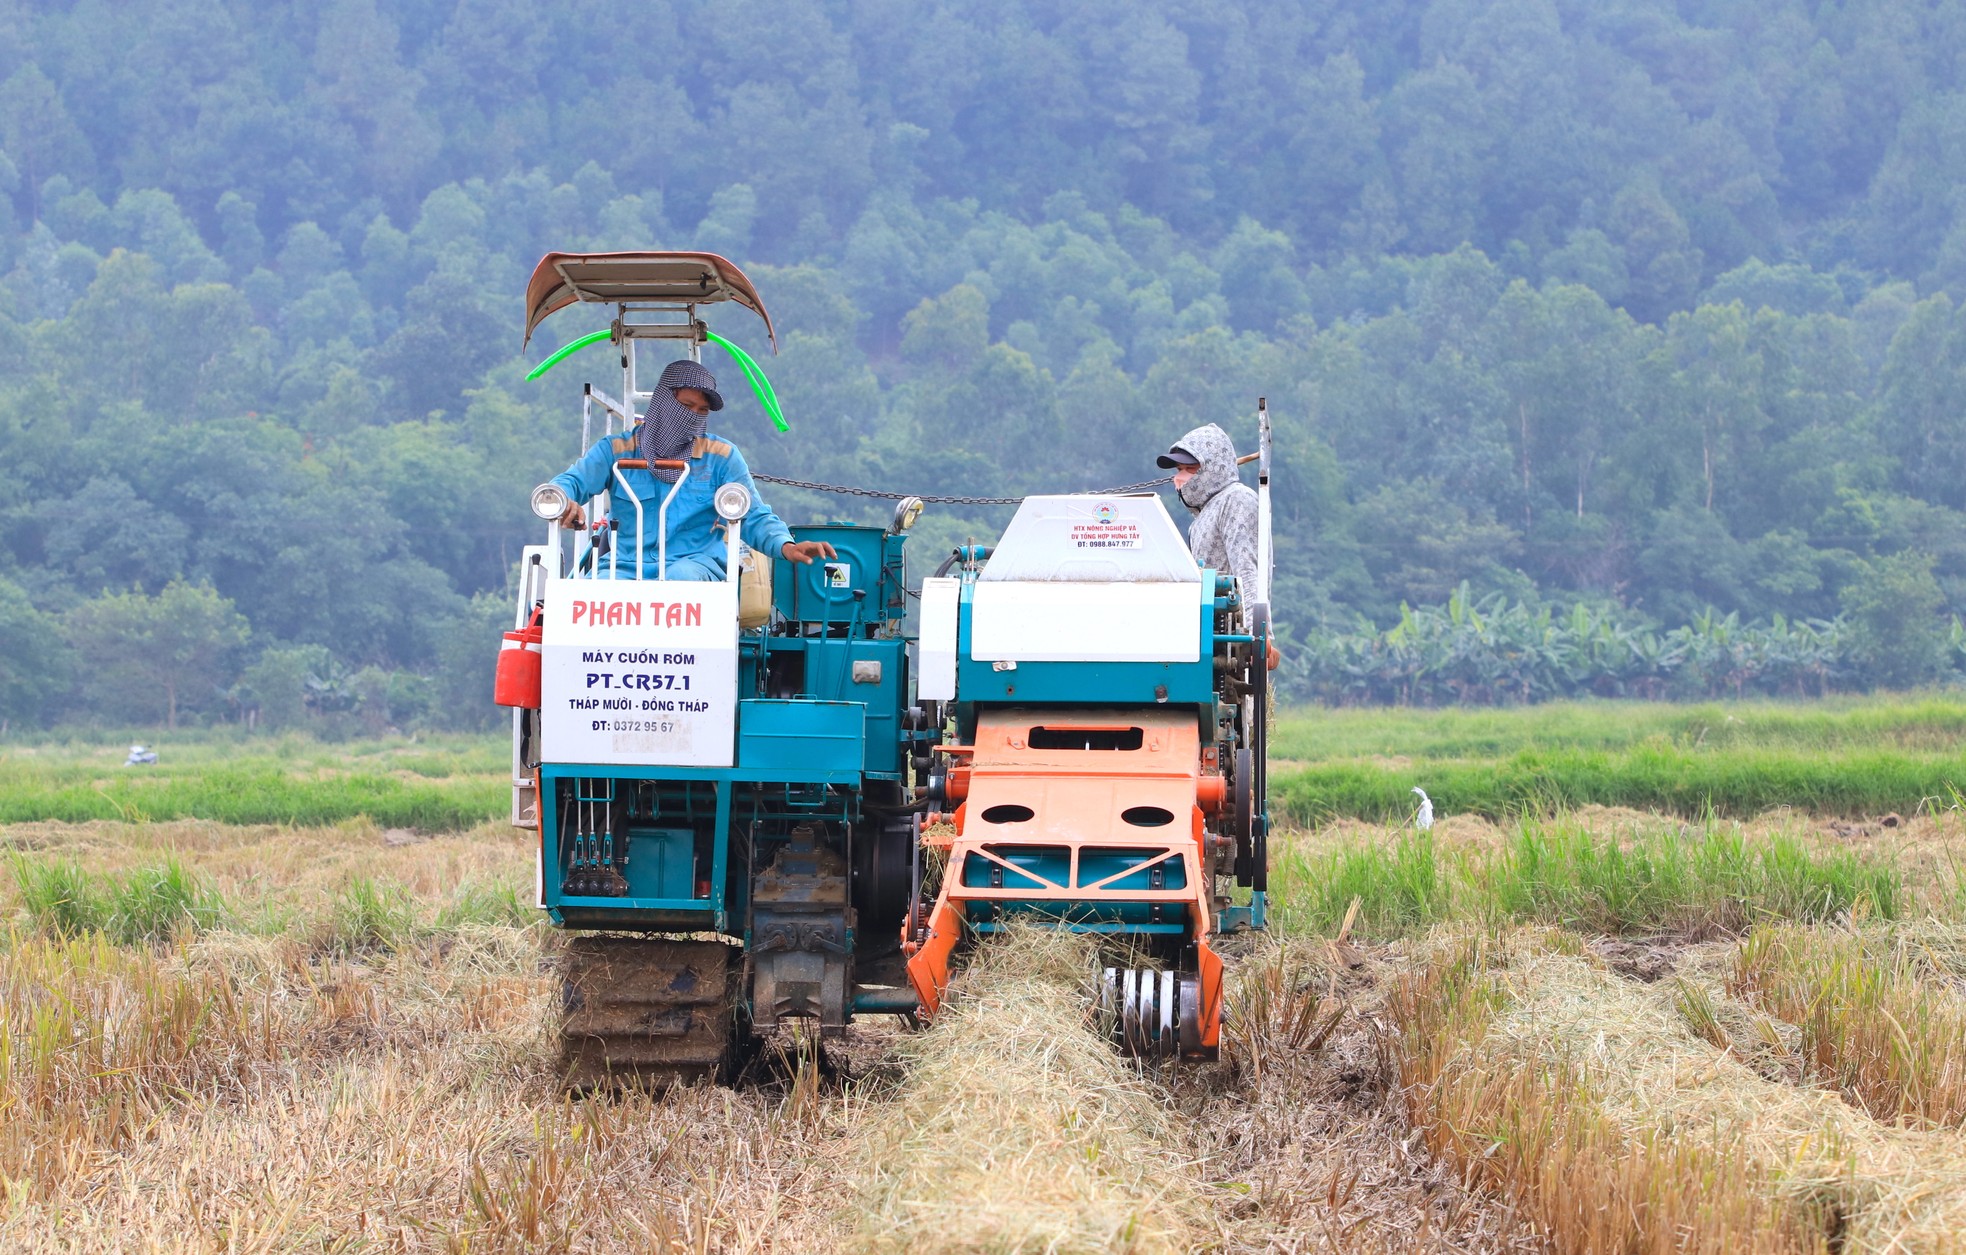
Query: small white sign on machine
[
  {"x": 1105, "y": 528},
  {"x": 1091, "y": 540},
  {"x": 639, "y": 672}
]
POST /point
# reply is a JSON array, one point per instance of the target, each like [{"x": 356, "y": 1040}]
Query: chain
[
  {"x": 846, "y": 490},
  {"x": 843, "y": 489}
]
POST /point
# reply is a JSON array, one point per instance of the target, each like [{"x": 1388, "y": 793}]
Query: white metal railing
[{"x": 661, "y": 517}]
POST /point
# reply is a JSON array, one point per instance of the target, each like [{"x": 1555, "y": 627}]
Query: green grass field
[
  {"x": 435, "y": 785},
  {"x": 1923, "y": 724},
  {"x": 1859, "y": 756},
  {"x": 1653, "y": 877}
]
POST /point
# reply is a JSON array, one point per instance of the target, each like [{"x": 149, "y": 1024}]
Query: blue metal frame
[
  {"x": 714, "y": 909},
  {"x": 1236, "y": 918}
]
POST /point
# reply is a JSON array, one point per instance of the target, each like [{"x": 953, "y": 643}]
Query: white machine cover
[{"x": 1088, "y": 579}]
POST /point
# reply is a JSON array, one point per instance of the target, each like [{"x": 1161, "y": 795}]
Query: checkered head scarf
[{"x": 670, "y": 428}]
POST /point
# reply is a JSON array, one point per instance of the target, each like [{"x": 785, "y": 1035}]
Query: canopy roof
[{"x": 560, "y": 279}]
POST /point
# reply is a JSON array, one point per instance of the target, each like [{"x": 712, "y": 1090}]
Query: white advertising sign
[
  {"x": 639, "y": 672},
  {"x": 1088, "y": 540}
]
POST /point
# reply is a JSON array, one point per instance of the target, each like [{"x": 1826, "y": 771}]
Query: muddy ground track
[{"x": 1306, "y": 1150}]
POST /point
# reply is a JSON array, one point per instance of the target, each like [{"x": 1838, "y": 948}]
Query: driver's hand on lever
[
  {"x": 807, "y": 551},
  {"x": 573, "y": 516}
]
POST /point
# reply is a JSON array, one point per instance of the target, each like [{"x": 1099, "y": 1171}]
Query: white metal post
[
  {"x": 1261, "y": 596},
  {"x": 661, "y": 524}
]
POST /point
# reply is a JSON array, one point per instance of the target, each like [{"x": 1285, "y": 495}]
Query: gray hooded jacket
[{"x": 1223, "y": 534}]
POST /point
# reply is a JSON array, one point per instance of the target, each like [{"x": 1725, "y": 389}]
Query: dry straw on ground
[
  {"x": 238, "y": 1094},
  {"x": 1591, "y": 1100},
  {"x": 1018, "y": 1127},
  {"x": 358, "y": 1055},
  {"x": 1877, "y": 1017},
  {"x": 1304, "y": 1149},
  {"x": 329, "y": 1087}
]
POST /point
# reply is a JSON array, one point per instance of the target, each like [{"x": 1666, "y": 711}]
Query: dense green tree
[
  {"x": 1654, "y": 307},
  {"x": 1922, "y": 393},
  {"x": 40, "y": 137},
  {"x": 275, "y": 689},
  {"x": 1437, "y": 139},
  {"x": 1258, "y": 276},
  {"x": 143, "y": 656},
  {"x": 1661, "y": 260},
  {"x": 1893, "y": 606},
  {"x": 37, "y": 664}
]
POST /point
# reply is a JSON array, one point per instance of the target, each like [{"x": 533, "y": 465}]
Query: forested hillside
[{"x": 1641, "y": 305}]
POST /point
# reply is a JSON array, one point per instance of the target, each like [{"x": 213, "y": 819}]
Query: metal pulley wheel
[
  {"x": 1152, "y": 1013},
  {"x": 1187, "y": 1022},
  {"x": 1143, "y": 1006},
  {"x": 883, "y": 880}
]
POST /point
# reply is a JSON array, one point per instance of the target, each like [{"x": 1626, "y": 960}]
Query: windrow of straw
[
  {"x": 1535, "y": 1130},
  {"x": 1590, "y": 1102},
  {"x": 1019, "y": 1127},
  {"x": 1875, "y": 1021}
]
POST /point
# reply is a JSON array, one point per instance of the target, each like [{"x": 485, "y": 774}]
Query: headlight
[
  {"x": 549, "y": 501},
  {"x": 733, "y": 502},
  {"x": 906, "y": 511}
]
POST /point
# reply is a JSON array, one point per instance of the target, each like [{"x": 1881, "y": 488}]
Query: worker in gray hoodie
[{"x": 1223, "y": 534}]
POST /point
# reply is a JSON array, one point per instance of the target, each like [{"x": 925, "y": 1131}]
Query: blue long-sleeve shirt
[{"x": 696, "y": 550}]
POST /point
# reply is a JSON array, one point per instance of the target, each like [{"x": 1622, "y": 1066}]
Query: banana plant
[{"x": 1488, "y": 651}]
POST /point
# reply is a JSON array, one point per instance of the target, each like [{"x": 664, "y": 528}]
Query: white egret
[{"x": 1424, "y": 818}]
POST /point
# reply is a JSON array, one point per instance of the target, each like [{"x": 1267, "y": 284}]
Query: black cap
[
  {"x": 683, "y": 373},
  {"x": 1168, "y": 461}
]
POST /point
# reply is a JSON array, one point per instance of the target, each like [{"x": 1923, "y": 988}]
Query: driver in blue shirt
[{"x": 673, "y": 429}]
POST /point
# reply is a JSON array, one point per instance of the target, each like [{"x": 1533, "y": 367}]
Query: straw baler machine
[{"x": 765, "y": 806}]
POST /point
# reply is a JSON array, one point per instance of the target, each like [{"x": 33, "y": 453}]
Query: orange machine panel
[{"x": 1077, "y": 778}]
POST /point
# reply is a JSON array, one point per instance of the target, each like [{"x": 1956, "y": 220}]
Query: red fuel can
[{"x": 518, "y": 668}]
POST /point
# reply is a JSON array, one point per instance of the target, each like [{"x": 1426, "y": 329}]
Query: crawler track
[{"x": 645, "y": 1013}]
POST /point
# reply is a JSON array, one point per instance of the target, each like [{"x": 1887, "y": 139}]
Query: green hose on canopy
[
  {"x": 760, "y": 386},
  {"x": 569, "y": 348}
]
